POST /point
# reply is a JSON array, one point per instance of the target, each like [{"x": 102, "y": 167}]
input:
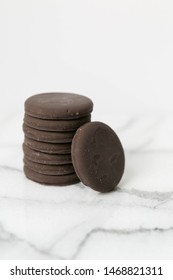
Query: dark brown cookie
[
  {"x": 44, "y": 158},
  {"x": 48, "y": 137},
  {"x": 49, "y": 169},
  {"x": 55, "y": 125},
  {"x": 98, "y": 156},
  {"x": 50, "y": 148},
  {"x": 63, "y": 180},
  {"x": 58, "y": 105}
]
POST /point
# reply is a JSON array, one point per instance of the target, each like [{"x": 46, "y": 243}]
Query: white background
[{"x": 118, "y": 52}]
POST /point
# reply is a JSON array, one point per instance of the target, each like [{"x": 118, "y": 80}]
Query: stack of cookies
[{"x": 50, "y": 122}]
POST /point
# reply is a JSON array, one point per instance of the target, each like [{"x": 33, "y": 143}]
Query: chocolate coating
[
  {"x": 49, "y": 169},
  {"x": 48, "y": 136},
  {"x": 49, "y": 179},
  {"x": 98, "y": 156},
  {"x": 44, "y": 158},
  {"x": 56, "y": 125},
  {"x": 58, "y": 105},
  {"x": 50, "y": 148}
]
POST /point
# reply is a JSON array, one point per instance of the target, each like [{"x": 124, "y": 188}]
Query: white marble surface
[{"x": 75, "y": 222}]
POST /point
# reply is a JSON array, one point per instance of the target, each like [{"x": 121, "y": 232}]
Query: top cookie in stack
[{"x": 50, "y": 122}]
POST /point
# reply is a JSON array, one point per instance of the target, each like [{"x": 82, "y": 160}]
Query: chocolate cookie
[
  {"x": 58, "y": 105},
  {"x": 50, "y": 179},
  {"x": 44, "y": 158},
  {"x": 49, "y": 169},
  {"x": 48, "y": 137},
  {"x": 50, "y": 148},
  {"x": 55, "y": 125},
  {"x": 98, "y": 156}
]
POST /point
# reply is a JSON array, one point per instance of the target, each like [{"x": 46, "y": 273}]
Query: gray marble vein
[
  {"x": 6, "y": 236},
  {"x": 10, "y": 168},
  {"x": 159, "y": 196},
  {"x": 118, "y": 232}
]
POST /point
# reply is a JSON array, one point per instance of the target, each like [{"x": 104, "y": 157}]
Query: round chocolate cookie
[
  {"x": 48, "y": 137},
  {"x": 63, "y": 180},
  {"x": 49, "y": 169},
  {"x": 50, "y": 148},
  {"x": 44, "y": 158},
  {"x": 58, "y": 105},
  {"x": 56, "y": 125},
  {"x": 98, "y": 156}
]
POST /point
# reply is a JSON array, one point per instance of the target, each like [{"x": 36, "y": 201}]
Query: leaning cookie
[{"x": 98, "y": 156}]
